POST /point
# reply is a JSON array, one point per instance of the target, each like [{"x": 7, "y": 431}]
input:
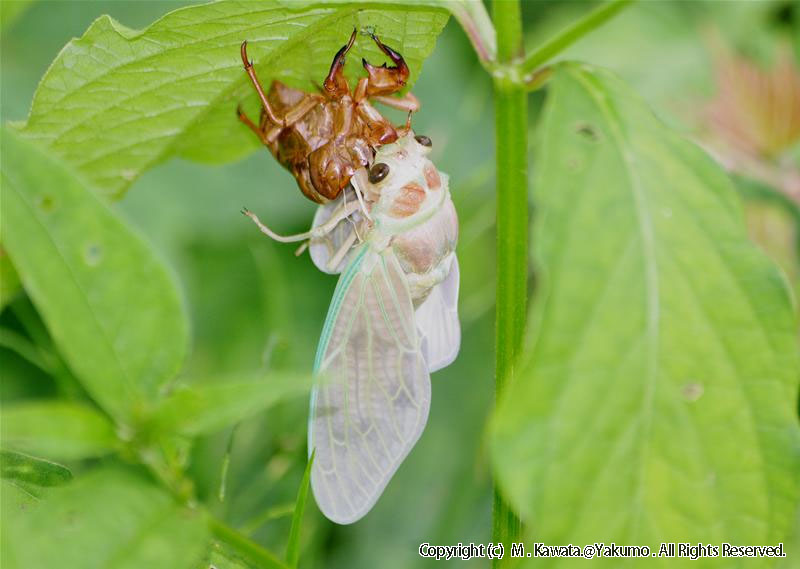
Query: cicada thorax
[
  {"x": 410, "y": 210},
  {"x": 412, "y": 206},
  {"x": 324, "y": 138}
]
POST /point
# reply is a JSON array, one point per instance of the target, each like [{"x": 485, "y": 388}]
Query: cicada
[
  {"x": 392, "y": 321},
  {"x": 323, "y": 138}
]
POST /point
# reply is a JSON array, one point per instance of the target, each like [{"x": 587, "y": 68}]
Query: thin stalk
[
  {"x": 18, "y": 343},
  {"x": 244, "y": 546},
  {"x": 472, "y": 16},
  {"x": 511, "y": 133},
  {"x": 570, "y": 34},
  {"x": 293, "y": 547}
]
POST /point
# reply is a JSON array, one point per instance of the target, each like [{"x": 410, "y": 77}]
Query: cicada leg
[
  {"x": 408, "y": 103},
  {"x": 346, "y": 245},
  {"x": 335, "y": 83},
  {"x": 291, "y": 116},
  {"x": 338, "y": 215},
  {"x": 360, "y": 197},
  {"x": 260, "y": 132},
  {"x": 251, "y": 72},
  {"x": 386, "y": 80},
  {"x": 381, "y": 83}
]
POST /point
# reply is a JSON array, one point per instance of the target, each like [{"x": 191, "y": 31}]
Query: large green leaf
[
  {"x": 221, "y": 558},
  {"x": 206, "y": 408},
  {"x": 657, "y": 401},
  {"x": 110, "y": 518},
  {"x": 108, "y": 301},
  {"x": 16, "y": 499},
  {"x": 57, "y": 429},
  {"x": 117, "y": 101},
  {"x": 9, "y": 280}
]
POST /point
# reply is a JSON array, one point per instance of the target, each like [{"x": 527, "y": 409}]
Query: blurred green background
[{"x": 252, "y": 303}]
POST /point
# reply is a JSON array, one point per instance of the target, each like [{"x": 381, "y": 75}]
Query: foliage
[
  {"x": 618, "y": 392},
  {"x": 62, "y": 430},
  {"x": 140, "y": 524},
  {"x": 172, "y": 88},
  {"x": 156, "y": 347},
  {"x": 79, "y": 262},
  {"x": 113, "y": 103}
]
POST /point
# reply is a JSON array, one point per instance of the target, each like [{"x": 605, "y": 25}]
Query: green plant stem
[
  {"x": 66, "y": 383},
  {"x": 244, "y": 546},
  {"x": 293, "y": 547},
  {"x": 511, "y": 133},
  {"x": 18, "y": 343},
  {"x": 571, "y": 34},
  {"x": 474, "y": 20}
]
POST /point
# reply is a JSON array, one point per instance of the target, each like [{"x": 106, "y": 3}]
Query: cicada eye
[
  {"x": 378, "y": 172},
  {"x": 424, "y": 140}
]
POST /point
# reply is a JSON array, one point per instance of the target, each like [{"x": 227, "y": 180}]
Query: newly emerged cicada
[
  {"x": 323, "y": 138},
  {"x": 392, "y": 321}
]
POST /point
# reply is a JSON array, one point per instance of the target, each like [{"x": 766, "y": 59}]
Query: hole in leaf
[
  {"x": 46, "y": 203},
  {"x": 575, "y": 163},
  {"x": 587, "y": 131},
  {"x": 692, "y": 391},
  {"x": 93, "y": 254}
]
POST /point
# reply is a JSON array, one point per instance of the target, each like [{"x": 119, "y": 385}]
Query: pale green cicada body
[{"x": 392, "y": 321}]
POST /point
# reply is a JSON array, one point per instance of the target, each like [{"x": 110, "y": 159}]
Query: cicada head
[{"x": 395, "y": 166}]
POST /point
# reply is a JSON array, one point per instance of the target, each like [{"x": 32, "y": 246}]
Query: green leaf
[
  {"x": 222, "y": 558},
  {"x": 110, "y": 518},
  {"x": 16, "y": 500},
  {"x": 109, "y": 302},
  {"x": 657, "y": 400},
  {"x": 57, "y": 429},
  {"x": 117, "y": 101},
  {"x": 208, "y": 408},
  {"x": 293, "y": 546},
  {"x": 29, "y": 470},
  {"x": 9, "y": 280},
  {"x": 236, "y": 546}
]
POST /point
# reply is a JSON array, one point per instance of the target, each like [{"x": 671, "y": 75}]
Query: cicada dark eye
[
  {"x": 424, "y": 140},
  {"x": 378, "y": 172}
]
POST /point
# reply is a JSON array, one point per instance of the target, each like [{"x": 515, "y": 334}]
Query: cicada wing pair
[
  {"x": 374, "y": 358},
  {"x": 371, "y": 401}
]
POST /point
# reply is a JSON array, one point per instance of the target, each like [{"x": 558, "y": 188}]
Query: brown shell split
[{"x": 323, "y": 138}]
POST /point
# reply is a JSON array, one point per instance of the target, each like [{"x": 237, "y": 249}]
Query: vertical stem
[
  {"x": 244, "y": 546},
  {"x": 511, "y": 133}
]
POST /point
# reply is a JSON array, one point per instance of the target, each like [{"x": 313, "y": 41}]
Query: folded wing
[
  {"x": 322, "y": 249},
  {"x": 438, "y": 324}
]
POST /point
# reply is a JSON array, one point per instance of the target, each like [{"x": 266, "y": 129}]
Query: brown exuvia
[{"x": 323, "y": 138}]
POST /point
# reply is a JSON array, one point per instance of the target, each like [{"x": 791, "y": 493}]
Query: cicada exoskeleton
[{"x": 323, "y": 138}]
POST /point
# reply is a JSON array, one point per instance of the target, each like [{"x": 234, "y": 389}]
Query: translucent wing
[
  {"x": 371, "y": 403},
  {"x": 438, "y": 324},
  {"x": 322, "y": 249}
]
